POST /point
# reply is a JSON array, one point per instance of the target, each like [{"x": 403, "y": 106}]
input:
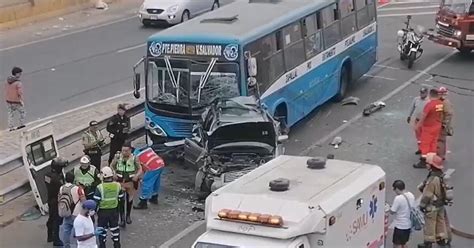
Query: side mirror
[
  {"x": 282, "y": 138},
  {"x": 252, "y": 67},
  {"x": 136, "y": 85},
  {"x": 408, "y": 17}
]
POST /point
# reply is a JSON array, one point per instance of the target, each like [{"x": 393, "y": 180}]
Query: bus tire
[
  {"x": 185, "y": 16},
  {"x": 281, "y": 115},
  {"x": 343, "y": 83}
]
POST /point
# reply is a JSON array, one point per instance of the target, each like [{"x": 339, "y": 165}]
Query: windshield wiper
[
  {"x": 175, "y": 82},
  {"x": 204, "y": 77}
]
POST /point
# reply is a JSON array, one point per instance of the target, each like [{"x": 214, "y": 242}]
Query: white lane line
[
  {"x": 383, "y": 99},
  {"x": 412, "y": 14},
  {"x": 131, "y": 48},
  {"x": 69, "y": 33},
  {"x": 81, "y": 107},
  {"x": 406, "y": 8},
  {"x": 379, "y": 77},
  {"x": 183, "y": 233}
]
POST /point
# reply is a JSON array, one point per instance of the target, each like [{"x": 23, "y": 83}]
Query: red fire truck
[{"x": 455, "y": 25}]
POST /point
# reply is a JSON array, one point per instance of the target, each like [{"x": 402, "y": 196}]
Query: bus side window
[
  {"x": 312, "y": 35},
  {"x": 277, "y": 64},
  {"x": 372, "y": 10},
  {"x": 348, "y": 17},
  {"x": 332, "y": 26},
  {"x": 263, "y": 50},
  {"x": 362, "y": 14},
  {"x": 294, "y": 53}
]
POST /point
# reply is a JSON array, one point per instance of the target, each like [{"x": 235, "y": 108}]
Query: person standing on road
[
  {"x": 84, "y": 226},
  {"x": 93, "y": 141},
  {"x": 118, "y": 128},
  {"x": 416, "y": 110},
  {"x": 447, "y": 128},
  {"x": 401, "y": 209},
  {"x": 74, "y": 196},
  {"x": 128, "y": 172},
  {"x": 86, "y": 176},
  {"x": 153, "y": 166},
  {"x": 15, "y": 100},
  {"x": 108, "y": 195},
  {"x": 53, "y": 180},
  {"x": 432, "y": 204},
  {"x": 430, "y": 126}
]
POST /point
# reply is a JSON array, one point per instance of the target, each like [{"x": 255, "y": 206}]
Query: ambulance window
[{"x": 41, "y": 151}]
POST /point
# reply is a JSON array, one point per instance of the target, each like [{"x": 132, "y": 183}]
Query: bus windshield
[
  {"x": 190, "y": 84},
  {"x": 459, "y": 6}
]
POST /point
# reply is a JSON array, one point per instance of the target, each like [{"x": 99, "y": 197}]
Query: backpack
[
  {"x": 416, "y": 216},
  {"x": 66, "y": 203}
]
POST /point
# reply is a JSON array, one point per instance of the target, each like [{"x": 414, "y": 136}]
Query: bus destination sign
[{"x": 227, "y": 52}]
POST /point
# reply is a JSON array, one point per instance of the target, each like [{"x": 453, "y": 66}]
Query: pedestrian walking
[
  {"x": 152, "y": 165},
  {"x": 128, "y": 172},
  {"x": 54, "y": 179},
  {"x": 71, "y": 198},
  {"x": 415, "y": 113},
  {"x": 108, "y": 195},
  {"x": 86, "y": 175},
  {"x": 432, "y": 204},
  {"x": 93, "y": 141},
  {"x": 401, "y": 208},
  {"x": 446, "y": 128},
  {"x": 84, "y": 226},
  {"x": 118, "y": 128},
  {"x": 430, "y": 127},
  {"x": 15, "y": 100}
]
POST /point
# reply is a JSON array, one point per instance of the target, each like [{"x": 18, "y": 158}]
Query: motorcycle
[{"x": 409, "y": 43}]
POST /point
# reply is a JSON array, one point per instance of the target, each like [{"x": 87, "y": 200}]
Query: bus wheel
[
  {"x": 343, "y": 83},
  {"x": 464, "y": 50},
  {"x": 185, "y": 16},
  {"x": 281, "y": 115}
]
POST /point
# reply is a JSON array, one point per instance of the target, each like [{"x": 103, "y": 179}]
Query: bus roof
[
  {"x": 252, "y": 20},
  {"x": 312, "y": 193}
]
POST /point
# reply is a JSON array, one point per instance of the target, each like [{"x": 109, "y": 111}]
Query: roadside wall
[{"x": 18, "y": 12}]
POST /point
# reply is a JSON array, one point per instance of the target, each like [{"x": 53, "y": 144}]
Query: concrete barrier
[{"x": 20, "y": 12}]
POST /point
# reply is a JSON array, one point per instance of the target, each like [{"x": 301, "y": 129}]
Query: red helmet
[{"x": 442, "y": 91}]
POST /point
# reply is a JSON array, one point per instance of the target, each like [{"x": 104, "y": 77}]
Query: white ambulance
[{"x": 299, "y": 202}]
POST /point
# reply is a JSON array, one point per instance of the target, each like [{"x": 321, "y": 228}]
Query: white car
[{"x": 172, "y": 12}]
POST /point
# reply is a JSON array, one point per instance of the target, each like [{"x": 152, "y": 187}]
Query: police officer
[
  {"x": 93, "y": 140},
  {"x": 108, "y": 195},
  {"x": 54, "y": 179},
  {"x": 118, "y": 128},
  {"x": 128, "y": 172},
  {"x": 86, "y": 176}
]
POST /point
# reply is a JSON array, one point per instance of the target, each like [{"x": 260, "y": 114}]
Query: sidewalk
[{"x": 9, "y": 146}]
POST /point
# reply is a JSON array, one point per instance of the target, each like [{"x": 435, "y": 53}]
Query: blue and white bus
[{"x": 300, "y": 53}]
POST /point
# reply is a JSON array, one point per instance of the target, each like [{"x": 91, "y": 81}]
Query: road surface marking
[
  {"x": 130, "y": 48},
  {"x": 183, "y": 233},
  {"x": 81, "y": 107},
  {"x": 69, "y": 33},
  {"x": 415, "y": 7},
  {"x": 412, "y": 14},
  {"x": 383, "y": 99},
  {"x": 373, "y": 76}
]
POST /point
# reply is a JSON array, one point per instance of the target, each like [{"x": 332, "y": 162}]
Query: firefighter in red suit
[{"x": 430, "y": 126}]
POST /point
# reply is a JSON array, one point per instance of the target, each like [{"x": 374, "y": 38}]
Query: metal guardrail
[{"x": 22, "y": 186}]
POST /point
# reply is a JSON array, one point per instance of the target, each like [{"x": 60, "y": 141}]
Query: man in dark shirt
[
  {"x": 118, "y": 128},
  {"x": 54, "y": 180}
]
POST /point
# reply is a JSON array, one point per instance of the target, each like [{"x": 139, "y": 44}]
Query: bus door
[{"x": 38, "y": 148}]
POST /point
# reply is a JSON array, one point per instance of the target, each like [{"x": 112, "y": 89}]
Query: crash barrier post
[{"x": 15, "y": 162}]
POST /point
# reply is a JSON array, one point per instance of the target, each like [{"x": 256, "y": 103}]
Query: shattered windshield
[
  {"x": 186, "y": 83},
  {"x": 458, "y": 6}
]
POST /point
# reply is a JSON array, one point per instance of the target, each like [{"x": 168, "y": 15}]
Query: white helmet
[
  {"x": 400, "y": 33},
  {"x": 107, "y": 172},
  {"x": 85, "y": 160}
]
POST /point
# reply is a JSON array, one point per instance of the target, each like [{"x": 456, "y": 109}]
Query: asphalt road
[{"x": 383, "y": 139}]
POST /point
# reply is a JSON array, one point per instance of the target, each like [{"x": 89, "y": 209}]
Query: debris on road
[
  {"x": 336, "y": 142},
  {"x": 101, "y": 5},
  {"x": 373, "y": 107},
  {"x": 352, "y": 100}
]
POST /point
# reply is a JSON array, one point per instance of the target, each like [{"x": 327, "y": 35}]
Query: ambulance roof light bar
[{"x": 251, "y": 218}]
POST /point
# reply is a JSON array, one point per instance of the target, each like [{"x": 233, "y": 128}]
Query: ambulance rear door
[{"x": 39, "y": 148}]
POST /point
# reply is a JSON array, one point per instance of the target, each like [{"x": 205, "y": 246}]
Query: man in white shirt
[
  {"x": 401, "y": 209},
  {"x": 78, "y": 197},
  {"x": 84, "y": 227}
]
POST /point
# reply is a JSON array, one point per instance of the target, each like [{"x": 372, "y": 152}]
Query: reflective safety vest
[
  {"x": 84, "y": 179},
  {"x": 93, "y": 138},
  {"x": 126, "y": 168},
  {"x": 109, "y": 192}
]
